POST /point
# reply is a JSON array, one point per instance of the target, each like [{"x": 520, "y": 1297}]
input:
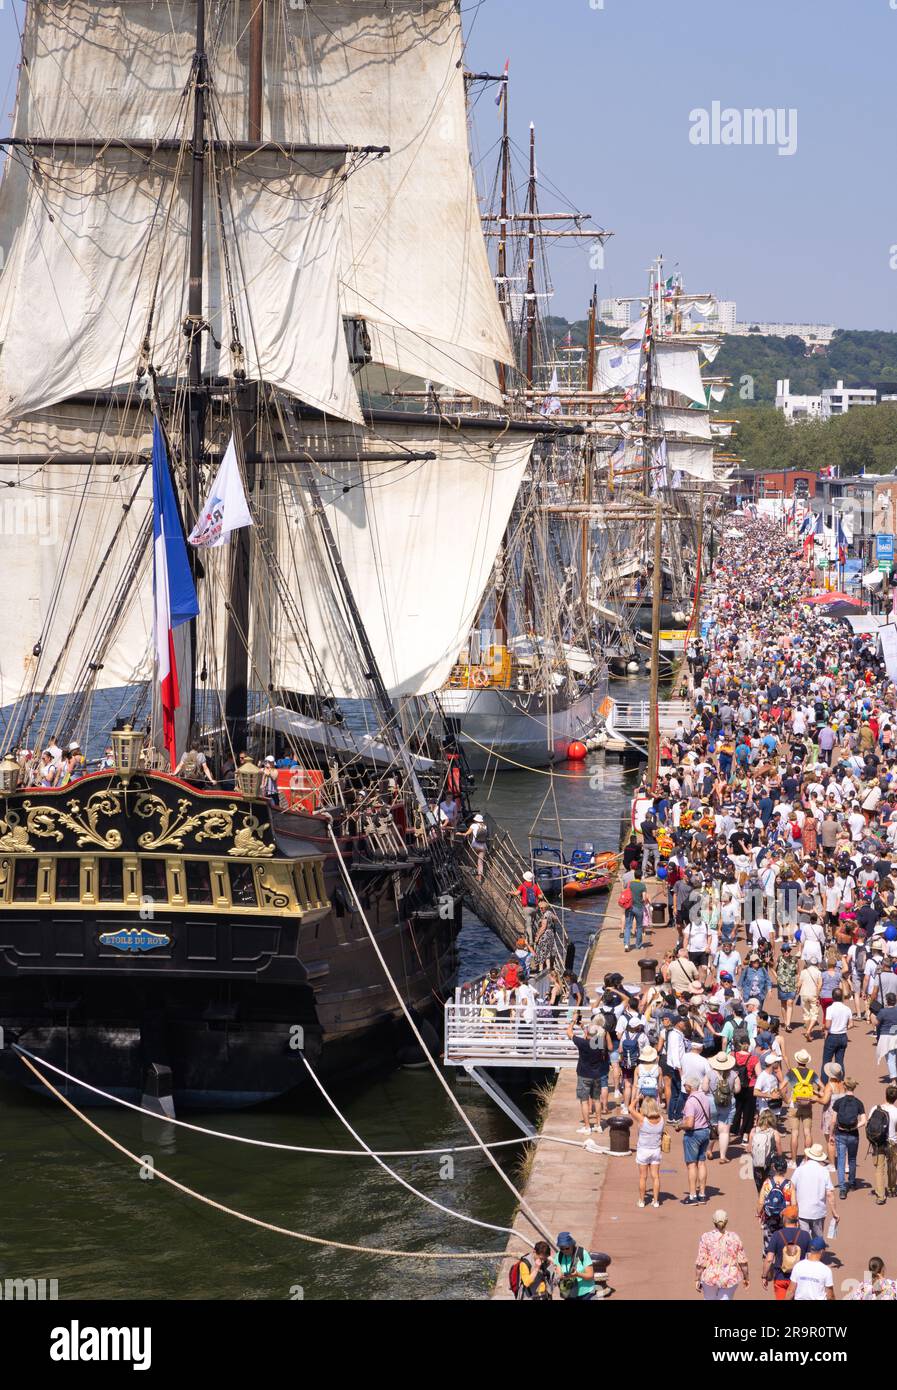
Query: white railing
[{"x": 477, "y": 1034}]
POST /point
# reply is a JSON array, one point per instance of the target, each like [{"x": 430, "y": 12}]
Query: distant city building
[
  {"x": 615, "y": 312},
  {"x": 834, "y": 400},
  {"x": 837, "y": 400},
  {"x": 810, "y": 332},
  {"x": 796, "y": 407},
  {"x": 725, "y": 313}
]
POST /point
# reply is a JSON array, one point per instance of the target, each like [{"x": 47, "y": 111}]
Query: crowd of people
[{"x": 769, "y": 842}]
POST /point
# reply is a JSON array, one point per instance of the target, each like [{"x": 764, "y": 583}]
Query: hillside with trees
[
  {"x": 754, "y": 364},
  {"x": 862, "y": 441}
]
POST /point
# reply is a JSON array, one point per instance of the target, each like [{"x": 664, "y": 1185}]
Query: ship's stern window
[
  {"x": 24, "y": 884},
  {"x": 153, "y": 879},
  {"x": 111, "y": 886},
  {"x": 242, "y": 885},
  {"x": 68, "y": 880},
  {"x": 199, "y": 882}
]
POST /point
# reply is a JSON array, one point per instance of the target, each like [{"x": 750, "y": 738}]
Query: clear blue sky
[{"x": 610, "y": 90}]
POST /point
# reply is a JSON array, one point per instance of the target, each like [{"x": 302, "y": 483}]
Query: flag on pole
[
  {"x": 842, "y": 542},
  {"x": 552, "y": 404},
  {"x": 226, "y": 508},
  {"x": 174, "y": 594},
  {"x": 503, "y": 86}
]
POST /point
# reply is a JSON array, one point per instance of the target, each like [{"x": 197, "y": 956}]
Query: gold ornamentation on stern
[
  {"x": 209, "y": 824},
  {"x": 247, "y": 843},
  {"x": 14, "y": 837},
  {"x": 43, "y": 821}
]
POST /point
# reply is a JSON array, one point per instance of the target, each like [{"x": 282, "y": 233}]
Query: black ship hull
[{"x": 229, "y": 1002}]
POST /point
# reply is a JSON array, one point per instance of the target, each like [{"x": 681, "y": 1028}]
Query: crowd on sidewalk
[{"x": 770, "y": 839}]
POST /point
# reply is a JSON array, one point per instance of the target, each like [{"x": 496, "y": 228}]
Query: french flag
[{"x": 174, "y": 593}]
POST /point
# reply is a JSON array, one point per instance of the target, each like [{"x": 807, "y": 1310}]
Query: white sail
[
  {"x": 97, "y": 240},
  {"x": 617, "y": 368},
  {"x": 417, "y": 541},
  {"x": 416, "y": 264},
  {"x": 678, "y": 370},
  {"x": 694, "y": 424},
  {"x": 694, "y": 459}
]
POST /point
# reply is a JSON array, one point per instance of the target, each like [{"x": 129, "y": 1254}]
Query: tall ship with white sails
[{"x": 237, "y": 225}]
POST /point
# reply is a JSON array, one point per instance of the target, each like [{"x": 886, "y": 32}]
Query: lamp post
[
  {"x": 126, "y": 747},
  {"x": 248, "y": 778}
]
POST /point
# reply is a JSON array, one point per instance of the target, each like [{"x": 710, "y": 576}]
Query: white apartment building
[
  {"x": 726, "y": 315},
  {"x": 810, "y": 332},
  {"x": 615, "y": 312},
  {"x": 837, "y": 400},
  {"x": 796, "y": 407}
]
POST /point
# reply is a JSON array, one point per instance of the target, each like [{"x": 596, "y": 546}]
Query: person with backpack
[
  {"x": 724, "y": 1088},
  {"x": 532, "y": 1276},
  {"x": 786, "y": 1246},
  {"x": 478, "y": 835},
  {"x": 632, "y": 900},
  {"x": 629, "y": 1049},
  {"x": 776, "y": 1193},
  {"x": 850, "y": 1119},
  {"x": 746, "y": 1065},
  {"x": 881, "y": 1132},
  {"x": 529, "y": 893},
  {"x": 573, "y": 1269},
  {"x": 803, "y": 1083},
  {"x": 763, "y": 1146}
]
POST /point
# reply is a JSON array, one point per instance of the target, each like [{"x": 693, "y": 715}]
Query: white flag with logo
[{"x": 226, "y": 508}]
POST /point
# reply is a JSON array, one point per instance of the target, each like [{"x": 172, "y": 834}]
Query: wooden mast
[
  {"x": 246, "y": 435},
  {"x": 531, "y": 261},
  {"x": 193, "y": 326}
]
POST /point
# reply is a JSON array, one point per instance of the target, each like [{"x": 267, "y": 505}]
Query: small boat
[
  {"x": 591, "y": 876},
  {"x": 550, "y": 869}
]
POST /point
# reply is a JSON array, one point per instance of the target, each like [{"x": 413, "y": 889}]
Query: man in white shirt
[
  {"x": 838, "y": 1020},
  {"x": 811, "y": 1281},
  {"x": 727, "y": 959},
  {"x": 814, "y": 1191},
  {"x": 857, "y": 823}
]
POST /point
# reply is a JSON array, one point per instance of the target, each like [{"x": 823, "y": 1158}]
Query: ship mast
[
  {"x": 236, "y": 642},
  {"x": 195, "y": 423}
]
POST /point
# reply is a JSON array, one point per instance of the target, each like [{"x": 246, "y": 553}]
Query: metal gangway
[
  {"x": 495, "y": 899},
  {"x": 632, "y": 718},
  {"x": 528, "y": 1037}
]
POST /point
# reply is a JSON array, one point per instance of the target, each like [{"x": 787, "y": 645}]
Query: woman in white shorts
[{"x": 647, "y": 1116}]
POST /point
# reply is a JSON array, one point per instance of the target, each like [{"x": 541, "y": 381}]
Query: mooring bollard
[
  {"x": 648, "y": 967},
  {"x": 619, "y": 1128}
]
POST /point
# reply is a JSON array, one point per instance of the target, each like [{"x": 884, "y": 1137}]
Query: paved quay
[
  {"x": 781, "y": 800},
  {"x": 594, "y": 1195}
]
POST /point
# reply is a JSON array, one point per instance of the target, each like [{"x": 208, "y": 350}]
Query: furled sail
[
  {"x": 416, "y": 266},
  {"x": 98, "y": 238},
  {"x": 417, "y": 540}
]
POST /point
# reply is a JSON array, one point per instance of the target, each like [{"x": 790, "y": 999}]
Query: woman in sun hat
[
  {"x": 646, "y": 1081},
  {"x": 724, "y": 1087}
]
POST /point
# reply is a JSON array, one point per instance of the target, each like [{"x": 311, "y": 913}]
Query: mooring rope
[
  {"x": 255, "y": 1220},
  {"x": 525, "y": 1209},
  {"x": 443, "y": 1150}
]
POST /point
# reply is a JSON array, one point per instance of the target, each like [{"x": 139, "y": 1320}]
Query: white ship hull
[{"x": 501, "y": 728}]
